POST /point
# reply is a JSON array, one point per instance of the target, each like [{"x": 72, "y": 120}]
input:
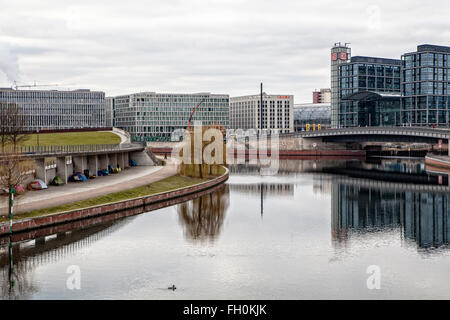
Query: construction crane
[{"x": 32, "y": 85}]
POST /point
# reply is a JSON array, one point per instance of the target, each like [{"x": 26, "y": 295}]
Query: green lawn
[
  {"x": 72, "y": 138},
  {"x": 167, "y": 184}
]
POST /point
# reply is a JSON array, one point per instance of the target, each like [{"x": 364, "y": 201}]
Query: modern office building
[
  {"x": 312, "y": 114},
  {"x": 55, "y": 110},
  {"x": 277, "y": 113},
  {"x": 151, "y": 116},
  {"x": 109, "y": 112},
  {"x": 413, "y": 91},
  {"x": 426, "y": 86},
  {"x": 322, "y": 96},
  {"x": 340, "y": 54},
  {"x": 369, "y": 93}
]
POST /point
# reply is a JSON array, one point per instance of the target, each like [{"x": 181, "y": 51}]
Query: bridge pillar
[
  {"x": 92, "y": 164},
  {"x": 61, "y": 168},
  {"x": 39, "y": 169},
  {"x": 103, "y": 161},
  {"x": 126, "y": 159},
  {"x": 79, "y": 163},
  {"x": 113, "y": 159},
  {"x": 120, "y": 160}
]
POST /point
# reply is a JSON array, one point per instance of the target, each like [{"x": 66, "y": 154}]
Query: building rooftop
[
  {"x": 47, "y": 90},
  {"x": 308, "y": 111},
  {"x": 282, "y": 96},
  {"x": 433, "y": 48},
  {"x": 396, "y": 62}
]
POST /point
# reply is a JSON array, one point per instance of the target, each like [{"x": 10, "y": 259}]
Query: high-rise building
[
  {"x": 369, "y": 92},
  {"x": 56, "y": 110},
  {"x": 426, "y": 86},
  {"x": 339, "y": 54},
  {"x": 151, "y": 116},
  {"x": 322, "y": 96},
  {"x": 389, "y": 92},
  {"x": 277, "y": 113}
]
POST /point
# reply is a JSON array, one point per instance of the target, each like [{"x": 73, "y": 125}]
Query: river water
[{"x": 317, "y": 229}]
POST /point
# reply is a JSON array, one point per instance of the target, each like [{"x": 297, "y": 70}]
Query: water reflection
[
  {"x": 365, "y": 206},
  {"x": 422, "y": 212},
  {"x": 269, "y": 189},
  {"x": 202, "y": 218},
  {"x": 19, "y": 260}
]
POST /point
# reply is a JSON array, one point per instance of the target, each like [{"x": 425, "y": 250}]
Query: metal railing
[
  {"x": 420, "y": 131},
  {"x": 73, "y": 149}
]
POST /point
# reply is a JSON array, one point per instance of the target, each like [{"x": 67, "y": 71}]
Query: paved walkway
[{"x": 74, "y": 191}]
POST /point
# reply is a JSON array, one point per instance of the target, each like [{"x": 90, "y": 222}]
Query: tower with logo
[{"x": 339, "y": 54}]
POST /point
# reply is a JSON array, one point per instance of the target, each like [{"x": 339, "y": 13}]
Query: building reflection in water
[
  {"x": 202, "y": 218},
  {"x": 18, "y": 262},
  {"x": 422, "y": 212},
  {"x": 275, "y": 189}
]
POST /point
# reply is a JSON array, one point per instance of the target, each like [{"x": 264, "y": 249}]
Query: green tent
[{"x": 57, "y": 181}]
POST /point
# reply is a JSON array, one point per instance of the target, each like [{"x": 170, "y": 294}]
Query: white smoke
[{"x": 9, "y": 63}]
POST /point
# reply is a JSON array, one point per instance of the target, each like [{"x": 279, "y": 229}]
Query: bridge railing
[
  {"x": 68, "y": 149},
  {"x": 386, "y": 129}
]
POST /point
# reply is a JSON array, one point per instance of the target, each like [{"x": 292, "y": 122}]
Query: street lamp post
[{"x": 37, "y": 137}]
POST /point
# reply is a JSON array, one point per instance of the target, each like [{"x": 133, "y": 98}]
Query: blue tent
[{"x": 77, "y": 177}]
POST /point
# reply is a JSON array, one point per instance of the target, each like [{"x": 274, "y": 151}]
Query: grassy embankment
[
  {"x": 72, "y": 138},
  {"x": 163, "y": 185}
]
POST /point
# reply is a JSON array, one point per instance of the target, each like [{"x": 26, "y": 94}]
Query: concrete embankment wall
[
  {"x": 155, "y": 201},
  {"x": 438, "y": 162}
]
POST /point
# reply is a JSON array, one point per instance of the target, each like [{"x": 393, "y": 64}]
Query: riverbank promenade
[{"x": 58, "y": 195}]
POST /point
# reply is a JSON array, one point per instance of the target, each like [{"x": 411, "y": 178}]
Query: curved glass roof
[
  {"x": 371, "y": 95},
  {"x": 312, "y": 111}
]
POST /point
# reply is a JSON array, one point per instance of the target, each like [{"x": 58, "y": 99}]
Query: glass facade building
[
  {"x": 378, "y": 76},
  {"x": 426, "y": 86},
  {"x": 413, "y": 91},
  {"x": 56, "y": 110},
  {"x": 150, "y": 116},
  {"x": 340, "y": 54}
]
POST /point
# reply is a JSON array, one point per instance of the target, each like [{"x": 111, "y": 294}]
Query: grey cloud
[{"x": 218, "y": 46}]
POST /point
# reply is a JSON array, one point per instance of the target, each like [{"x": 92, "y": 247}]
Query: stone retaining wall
[{"x": 156, "y": 201}]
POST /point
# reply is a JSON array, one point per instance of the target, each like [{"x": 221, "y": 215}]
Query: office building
[
  {"x": 369, "y": 92},
  {"x": 312, "y": 114},
  {"x": 109, "y": 113},
  {"x": 322, "y": 96},
  {"x": 426, "y": 86},
  {"x": 340, "y": 54},
  {"x": 151, "y": 116},
  {"x": 277, "y": 113},
  {"x": 56, "y": 110},
  {"x": 413, "y": 91}
]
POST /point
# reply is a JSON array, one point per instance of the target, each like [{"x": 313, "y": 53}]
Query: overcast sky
[{"x": 218, "y": 46}]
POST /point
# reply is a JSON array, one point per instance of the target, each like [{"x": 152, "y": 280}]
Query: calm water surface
[{"x": 309, "y": 232}]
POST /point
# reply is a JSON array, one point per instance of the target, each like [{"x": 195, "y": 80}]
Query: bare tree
[
  {"x": 13, "y": 123},
  {"x": 13, "y": 166},
  {"x": 14, "y": 169}
]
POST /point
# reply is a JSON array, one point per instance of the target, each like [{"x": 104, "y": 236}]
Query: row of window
[
  {"x": 355, "y": 69},
  {"x": 426, "y": 59}
]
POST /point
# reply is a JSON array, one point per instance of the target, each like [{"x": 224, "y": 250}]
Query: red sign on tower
[
  {"x": 343, "y": 56},
  {"x": 334, "y": 56}
]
